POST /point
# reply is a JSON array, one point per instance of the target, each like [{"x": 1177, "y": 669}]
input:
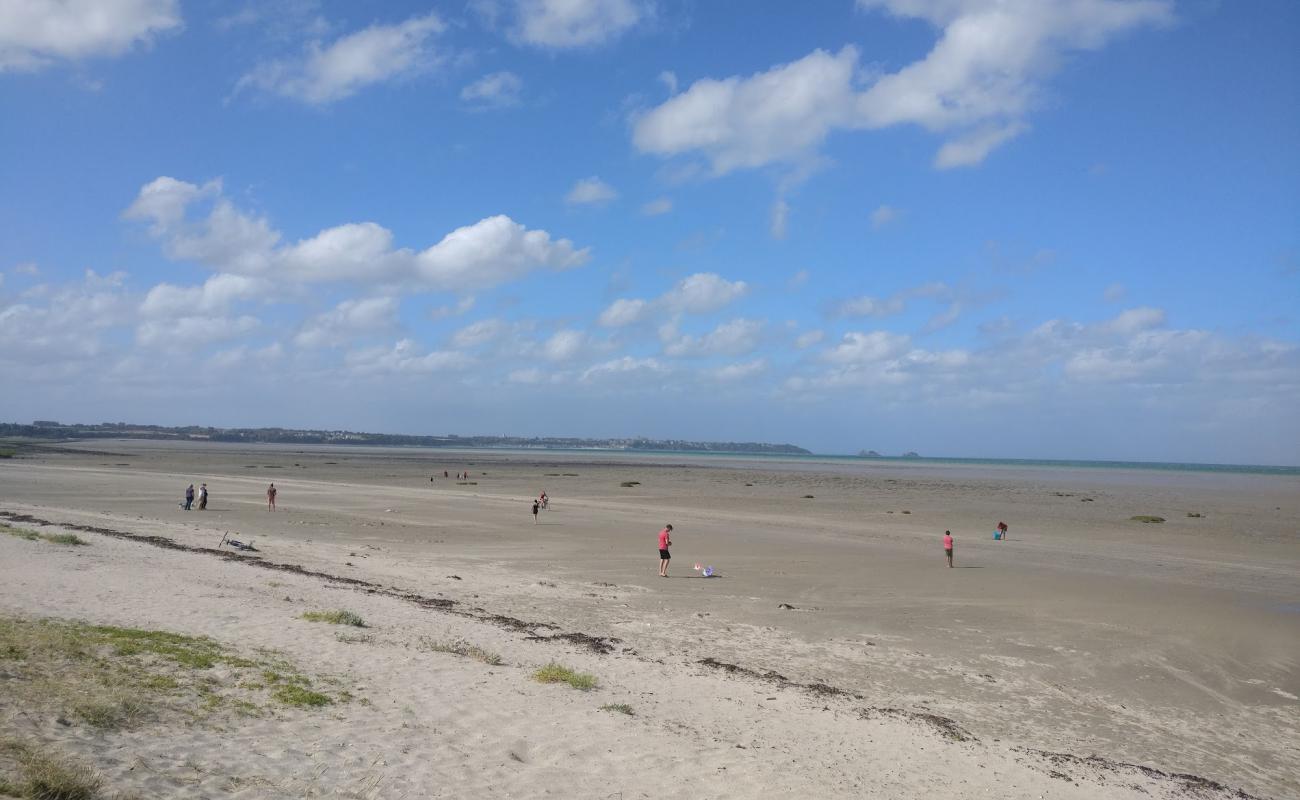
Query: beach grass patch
[
  {"x": 339, "y": 617},
  {"x": 558, "y": 673},
  {"x": 461, "y": 647},
  {"x": 112, "y": 678},
  {"x": 53, "y": 538},
  {"x": 1147, "y": 519},
  {"x": 47, "y": 775},
  {"x": 360, "y": 638},
  {"x": 301, "y": 696},
  {"x": 618, "y": 708},
  {"x": 7, "y": 452}
]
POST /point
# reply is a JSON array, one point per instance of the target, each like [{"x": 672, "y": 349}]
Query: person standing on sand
[
  {"x": 536, "y": 505},
  {"x": 189, "y": 497},
  {"x": 947, "y": 547},
  {"x": 270, "y": 497},
  {"x": 203, "y": 497},
  {"x": 665, "y": 542}
]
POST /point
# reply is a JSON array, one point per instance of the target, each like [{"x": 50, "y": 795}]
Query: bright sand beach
[{"x": 833, "y": 655}]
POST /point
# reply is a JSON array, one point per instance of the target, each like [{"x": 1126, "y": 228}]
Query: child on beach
[
  {"x": 947, "y": 546},
  {"x": 270, "y": 497},
  {"x": 665, "y": 542}
]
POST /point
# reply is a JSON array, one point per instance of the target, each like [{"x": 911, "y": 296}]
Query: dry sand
[{"x": 1172, "y": 648}]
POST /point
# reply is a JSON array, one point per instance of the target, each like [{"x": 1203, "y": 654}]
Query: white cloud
[
  {"x": 884, "y": 215},
  {"x": 574, "y": 23},
  {"x": 735, "y": 338},
  {"x": 34, "y": 33},
  {"x": 405, "y": 357},
  {"x": 347, "y": 321},
  {"x": 192, "y": 332},
  {"x": 669, "y": 79},
  {"x": 656, "y": 207},
  {"x": 703, "y": 292},
  {"x": 488, "y": 253},
  {"x": 496, "y": 90},
  {"x": 780, "y": 218},
  {"x": 590, "y": 191},
  {"x": 486, "y": 331},
  {"x": 740, "y": 371},
  {"x": 327, "y": 73},
  {"x": 624, "y": 312},
  {"x": 27, "y": 268},
  {"x": 976, "y": 85},
  {"x": 1134, "y": 320},
  {"x": 63, "y": 324},
  {"x": 624, "y": 366},
  {"x": 857, "y": 348},
  {"x": 564, "y": 345},
  {"x": 214, "y": 296},
  {"x": 867, "y": 306}
]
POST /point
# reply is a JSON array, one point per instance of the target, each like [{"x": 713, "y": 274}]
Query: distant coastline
[{"x": 46, "y": 429}]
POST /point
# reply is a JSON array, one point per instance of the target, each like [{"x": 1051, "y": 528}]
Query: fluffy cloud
[
  {"x": 735, "y": 338},
  {"x": 348, "y": 320},
  {"x": 703, "y": 292},
  {"x": 64, "y": 324},
  {"x": 696, "y": 294},
  {"x": 496, "y": 90},
  {"x": 214, "y": 296},
  {"x": 740, "y": 371},
  {"x": 405, "y": 357},
  {"x": 564, "y": 345},
  {"x": 627, "y": 365},
  {"x": 574, "y": 23},
  {"x": 488, "y": 253},
  {"x": 180, "y": 334},
  {"x": 326, "y": 73},
  {"x": 34, "y": 33},
  {"x": 976, "y": 85},
  {"x": 590, "y": 191}
]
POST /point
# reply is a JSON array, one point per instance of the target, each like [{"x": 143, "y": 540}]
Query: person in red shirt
[
  {"x": 947, "y": 546},
  {"x": 665, "y": 542}
]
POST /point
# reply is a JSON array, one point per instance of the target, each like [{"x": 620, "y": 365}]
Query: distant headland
[{"x": 46, "y": 429}]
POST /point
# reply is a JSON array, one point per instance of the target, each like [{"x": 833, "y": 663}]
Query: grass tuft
[
  {"x": 461, "y": 647},
  {"x": 53, "y": 538},
  {"x": 294, "y": 695},
  {"x": 1147, "y": 518},
  {"x": 339, "y": 617},
  {"x": 558, "y": 673},
  {"x": 618, "y": 708},
  {"x": 48, "y": 776}
]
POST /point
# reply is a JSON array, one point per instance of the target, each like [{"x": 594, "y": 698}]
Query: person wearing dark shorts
[
  {"x": 536, "y": 505},
  {"x": 665, "y": 542},
  {"x": 947, "y": 547}
]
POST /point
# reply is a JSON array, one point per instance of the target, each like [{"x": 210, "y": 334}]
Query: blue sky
[{"x": 1004, "y": 228}]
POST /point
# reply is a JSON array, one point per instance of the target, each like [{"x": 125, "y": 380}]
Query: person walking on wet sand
[
  {"x": 665, "y": 542},
  {"x": 536, "y": 505},
  {"x": 947, "y": 547},
  {"x": 270, "y": 497},
  {"x": 203, "y": 497},
  {"x": 189, "y": 497}
]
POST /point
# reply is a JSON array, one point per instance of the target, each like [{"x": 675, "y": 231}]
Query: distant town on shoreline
[{"x": 46, "y": 429}]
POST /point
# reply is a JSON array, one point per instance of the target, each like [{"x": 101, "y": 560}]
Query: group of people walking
[
  {"x": 188, "y": 505},
  {"x": 202, "y": 495}
]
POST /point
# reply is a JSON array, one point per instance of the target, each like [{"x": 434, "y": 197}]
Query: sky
[{"x": 983, "y": 228}]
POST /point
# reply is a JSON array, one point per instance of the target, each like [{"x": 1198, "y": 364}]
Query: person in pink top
[
  {"x": 947, "y": 546},
  {"x": 665, "y": 542}
]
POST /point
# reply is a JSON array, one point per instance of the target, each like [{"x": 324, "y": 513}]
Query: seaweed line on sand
[
  {"x": 1190, "y": 785},
  {"x": 597, "y": 644}
]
